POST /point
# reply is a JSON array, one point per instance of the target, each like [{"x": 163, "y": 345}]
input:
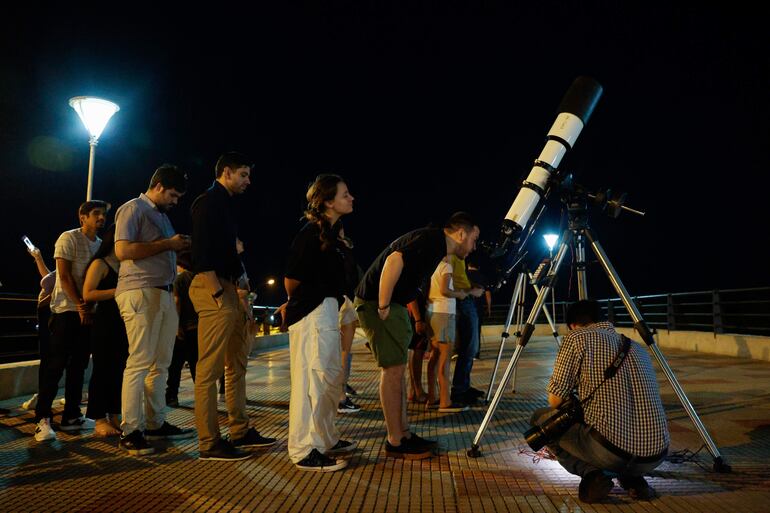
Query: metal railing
[{"x": 739, "y": 311}]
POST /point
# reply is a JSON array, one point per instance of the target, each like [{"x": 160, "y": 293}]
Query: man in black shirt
[
  {"x": 222, "y": 344},
  {"x": 381, "y": 298}
]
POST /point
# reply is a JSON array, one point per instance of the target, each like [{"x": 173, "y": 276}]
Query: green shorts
[{"x": 388, "y": 339}]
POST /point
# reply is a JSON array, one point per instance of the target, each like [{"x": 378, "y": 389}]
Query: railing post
[
  {"x": 717, "y": 309},
  {"x": 610, "y": 311},
  {"x": 670, "y": 317}
]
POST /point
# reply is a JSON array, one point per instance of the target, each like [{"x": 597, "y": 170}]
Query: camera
[{"x": 567, "y": 414}]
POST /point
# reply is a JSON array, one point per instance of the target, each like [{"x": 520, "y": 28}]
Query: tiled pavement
[{"x": 83, "y": 473}]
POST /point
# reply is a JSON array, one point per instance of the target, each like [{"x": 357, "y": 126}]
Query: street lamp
[
  {"x": 550, "y": 240},
  {"x": 95, "y": 113}
]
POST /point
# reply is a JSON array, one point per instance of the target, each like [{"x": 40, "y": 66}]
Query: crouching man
[{"x": 623, "y": 431}]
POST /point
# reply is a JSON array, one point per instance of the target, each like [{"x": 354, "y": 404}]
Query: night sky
[{"x": 422, "y": 111}]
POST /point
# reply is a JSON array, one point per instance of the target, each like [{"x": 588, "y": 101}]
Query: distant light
[
  {"x": 271, "y": 282},
  {"x": 95, "y": 113},
  {"x": 550, "y": 240},
  {"x": 272, "y": 318}
]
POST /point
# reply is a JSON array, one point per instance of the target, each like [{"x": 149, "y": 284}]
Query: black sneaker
[
  {"x": 135, "y": 444},
  {"x": 342, "y": 446},
  {"x": 169, "y": 432},
  {"x": 172, "y": 402},
  {"x": 407, "y": 450},
  {"x": 637, "y": 487},
  {"x": 475, "y": 392},
  {"x": 349, "y": 391},
  {"x": 253, "y": 439},
  {"x": 223, "y": 451},
  {"x": 348, "y": 406},
  {"x": 594, "y": 486},
  {"x": 77, "y": 424},
  {"x": 420, "y": 441},
  {"x": 317, "y": 462}
]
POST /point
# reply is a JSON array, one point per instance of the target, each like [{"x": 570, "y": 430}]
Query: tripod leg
[
  {"x": 580, "y": 264},
  {"x": 644, "y": 331},
  {"x": 529, "y": 328},
  {"x": 548, "y": 317},
  {"x": 519, "y": 323},
  {"x": 505, "y": 334}
]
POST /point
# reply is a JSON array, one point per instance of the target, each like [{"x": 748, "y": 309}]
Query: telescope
[{"x": 574, "y": 112}]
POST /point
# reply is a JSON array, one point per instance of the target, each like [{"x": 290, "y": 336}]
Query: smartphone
[{"x": 28, "y": 242}]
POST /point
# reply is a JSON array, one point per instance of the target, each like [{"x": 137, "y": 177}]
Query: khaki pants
[
  {"x": 222, "y": 346},
  {"x": 316, "y": 377},
  {"x": 151, "y": 324}
]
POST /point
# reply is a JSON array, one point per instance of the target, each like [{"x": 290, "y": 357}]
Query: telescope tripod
[
  {"x": 517, "y": 308},
  {"x": 577, "y": 234}
]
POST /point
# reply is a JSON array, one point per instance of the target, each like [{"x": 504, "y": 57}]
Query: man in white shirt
[{"x": 70, "y": 323}]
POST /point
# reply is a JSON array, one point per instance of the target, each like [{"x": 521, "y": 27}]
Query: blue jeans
[
  {"x": 580, "y": 453},
  {"x": 467, "y": 344}
]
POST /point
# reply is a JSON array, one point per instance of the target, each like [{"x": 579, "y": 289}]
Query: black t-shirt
[
  {"x": 321, "y": 273},
  {"x": 422, "y": 250}
]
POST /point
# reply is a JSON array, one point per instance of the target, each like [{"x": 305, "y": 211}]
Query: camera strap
[{"x": 610, "y": 371}]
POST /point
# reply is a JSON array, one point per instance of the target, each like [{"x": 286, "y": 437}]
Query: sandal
[{"x": 104, "y": 429}]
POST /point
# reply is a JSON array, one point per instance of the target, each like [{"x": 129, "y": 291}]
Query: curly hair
[{"x": 323, "y": 189}]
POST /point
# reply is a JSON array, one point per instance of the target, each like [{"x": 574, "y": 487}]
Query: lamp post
[
  {"x": 550, "y": 240},
  {"x": 268, "y": 317},
  {"x": 95, "y": 113}
]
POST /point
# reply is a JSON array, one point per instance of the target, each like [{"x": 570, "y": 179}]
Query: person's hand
[
  {"x": 461, "y": 294},
  {"x": 419, "y": 327},
  {"x": 179, "y": 242},
  {"x": 86, "y": 318},
  {"x": 477, "y": 292},
  {"x": 34, "y": 252},
  {"x": 281, "y": 310},
  {"x": 383, "y": 312}
]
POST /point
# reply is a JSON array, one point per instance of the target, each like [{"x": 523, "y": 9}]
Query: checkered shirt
[{"x": 626, "y": 409}]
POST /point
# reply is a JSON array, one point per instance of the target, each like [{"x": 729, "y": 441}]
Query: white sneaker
[
  {"x": 30, "y": 403},
  {"x": 221, "y": 398},
  {"x": 44, "y": 431},
  {"x": 77, "y": 424}
]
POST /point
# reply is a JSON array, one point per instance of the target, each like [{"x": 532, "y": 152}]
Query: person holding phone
[
  {"x": 146, "y": 245},
  {"x": 70, "y": 323}
]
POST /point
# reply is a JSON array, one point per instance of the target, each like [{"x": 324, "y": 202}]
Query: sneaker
[
  {"x": 77, "y": 424},
  {"x": 30, "y": 403},
  {"x": 169, "y": 432},
  {"x": 221, "y": 398},
  {"x": 44, "y": 431},
  {"x": 347, "y": 406},
  {"x": 420, "y": 441},
  {"x": 407, "y": 451},
  {"x": 454, "y": 408},
  {"x": 455, "y": 356},
  {"x": 475, "y": 392},
  {"x": 224, "y": 451},
  {"x": 594, "y": 486},
  {"x": 349, "y": 391},
  {"x": 317, "y": 462},
  {"x": 172, "y": 402},
  {"x": 637, "y": 487},
  {"x": 253, "y": 439},
  {"x": 135, "y": 444},
  {"x": 342, "y": 446}
]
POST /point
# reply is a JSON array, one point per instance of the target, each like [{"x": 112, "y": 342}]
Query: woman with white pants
[{"x": 315, "y": 284}]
